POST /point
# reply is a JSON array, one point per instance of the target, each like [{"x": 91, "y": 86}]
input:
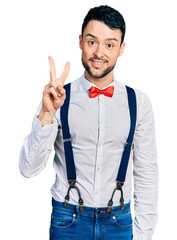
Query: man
[{"x": 99, "y": 123}]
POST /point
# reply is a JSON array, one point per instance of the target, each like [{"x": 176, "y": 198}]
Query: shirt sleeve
[
  {"x": 37, "y": 146},
  {"x": 145, "y": 170}
]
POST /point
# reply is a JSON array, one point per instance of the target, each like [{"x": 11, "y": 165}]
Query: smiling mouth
[{"x": 97, "y": 63}]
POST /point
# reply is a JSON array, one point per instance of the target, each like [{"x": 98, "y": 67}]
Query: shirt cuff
[
  {"x": 141, "y": 237},
  {"x": 44, "y": 131}
]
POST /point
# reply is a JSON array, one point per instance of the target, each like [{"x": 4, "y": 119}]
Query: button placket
[{"x": 99, "y": 147}]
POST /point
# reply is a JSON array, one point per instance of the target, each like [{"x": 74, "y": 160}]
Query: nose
[{"x": 99, "y": 51}]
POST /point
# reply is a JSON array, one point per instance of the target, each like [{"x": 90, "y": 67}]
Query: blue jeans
[{"x": 90, "y": 224}]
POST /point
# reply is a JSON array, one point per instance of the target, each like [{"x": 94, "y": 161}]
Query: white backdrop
[{"x": 33, "y": 30}]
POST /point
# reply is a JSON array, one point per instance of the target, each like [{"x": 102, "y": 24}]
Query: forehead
[{"x": 101, "y": 30}]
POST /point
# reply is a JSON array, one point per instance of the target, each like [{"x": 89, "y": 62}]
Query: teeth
[{"x": 98, "y": 62}]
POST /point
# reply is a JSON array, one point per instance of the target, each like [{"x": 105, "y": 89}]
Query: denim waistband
[{"x": 91, "y": 211}]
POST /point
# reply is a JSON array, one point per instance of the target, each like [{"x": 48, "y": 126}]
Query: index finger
[
  {"x": 64, "y": 74},
  {"x": 52, "y": 69}
]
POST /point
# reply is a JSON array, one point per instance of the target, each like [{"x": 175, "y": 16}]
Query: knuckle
[
  {"x": 59, "y": 88},
  {"x": 47, "y": 86},
  {"x": 52, "y": 89},
  {"x": 53, "y": 83}
]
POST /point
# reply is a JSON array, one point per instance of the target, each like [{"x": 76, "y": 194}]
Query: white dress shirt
[{"x": 99, "y": 128}]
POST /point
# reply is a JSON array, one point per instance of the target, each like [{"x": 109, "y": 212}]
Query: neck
[{"x": 100, "y": 82}]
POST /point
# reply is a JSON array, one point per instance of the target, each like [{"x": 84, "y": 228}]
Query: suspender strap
[
  {"x": 71, "y": 172},
  {"x": 127, "y": 148},
  {"x": 70, "y": 166}
]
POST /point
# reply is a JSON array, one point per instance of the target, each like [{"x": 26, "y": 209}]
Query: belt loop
[
  {"x": 112, "y": 213},
  {"x": 77, "y": 212}
]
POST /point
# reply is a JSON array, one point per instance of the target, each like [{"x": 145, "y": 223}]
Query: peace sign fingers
[
  {"x": 64, "y": 75},
  {"x": 60, "y": 81}
]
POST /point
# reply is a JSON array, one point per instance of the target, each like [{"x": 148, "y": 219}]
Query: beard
[{"x": 101, "y": 75}]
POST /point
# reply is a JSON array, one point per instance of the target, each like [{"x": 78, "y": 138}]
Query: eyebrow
[{"x": 109, "y": 39}]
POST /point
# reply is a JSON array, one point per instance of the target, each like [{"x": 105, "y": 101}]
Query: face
[{"x": 101, "y": 46}]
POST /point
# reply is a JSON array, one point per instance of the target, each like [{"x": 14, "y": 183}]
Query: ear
[
  {"x": 122, "y": 49},
  {"x": 80, "y": 41}
]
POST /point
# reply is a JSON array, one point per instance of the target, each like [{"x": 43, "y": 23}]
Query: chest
[{"x": 90, "y": 119}]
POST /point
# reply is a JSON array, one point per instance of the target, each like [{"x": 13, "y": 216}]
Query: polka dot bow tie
[{"x": 94, "y": 92}]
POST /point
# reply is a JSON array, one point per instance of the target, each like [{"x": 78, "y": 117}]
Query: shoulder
[
  {"x": 143, "y": 100},
  {"x": 75, "y": 85},
  {"x": 141, "y": 96},
  {"x": 144, "y": 107}
]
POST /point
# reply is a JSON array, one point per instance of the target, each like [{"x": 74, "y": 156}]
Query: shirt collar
[{"x": 87, "y": 85}]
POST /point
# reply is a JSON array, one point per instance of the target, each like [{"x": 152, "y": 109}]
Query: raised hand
[{"x": 54, "y": 94}]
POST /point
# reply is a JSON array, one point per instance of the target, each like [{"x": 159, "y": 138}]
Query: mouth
[{"x": 97, "y": 63}]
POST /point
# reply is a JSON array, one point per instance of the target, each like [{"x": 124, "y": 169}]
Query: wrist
[{"x": 46, "y": 117}]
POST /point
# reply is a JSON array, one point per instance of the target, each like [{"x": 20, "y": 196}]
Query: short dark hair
[{"x": 111, "y": 17}]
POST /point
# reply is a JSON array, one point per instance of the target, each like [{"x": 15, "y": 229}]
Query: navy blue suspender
[
  {"x": 71, "y": 171},
  {"x": 70, "y": 166},
  {"x": 127, "y": 148}
]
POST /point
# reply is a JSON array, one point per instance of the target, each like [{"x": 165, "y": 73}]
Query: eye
[
  {"x": 91, "y": 42},
  {"x": 109, "y": 45}
]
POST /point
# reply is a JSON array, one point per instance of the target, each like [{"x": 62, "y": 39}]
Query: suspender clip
[
  {"x": 127, "y": 144},
  {"x": 72, "y": 184},
  {"x": 81, "y": 204},
  {"x": 110, "y": 203},
  {"x": 65, "y": 204},
  {"x": 121, "y": 205},
  {"x": 119, "y": 187},
  {"x": 67, "y": 140}
]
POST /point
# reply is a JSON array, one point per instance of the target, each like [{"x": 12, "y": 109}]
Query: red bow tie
[{"x": 94, "y": 92}]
